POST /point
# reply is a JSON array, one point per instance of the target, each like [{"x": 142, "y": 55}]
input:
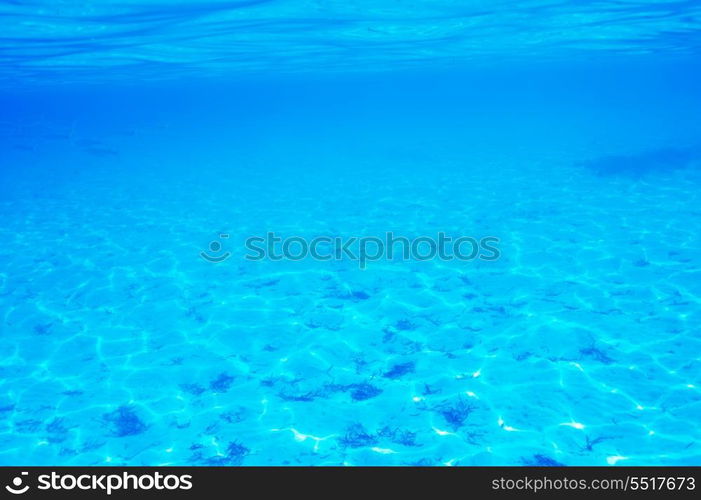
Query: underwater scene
[{"x": 295, "y": 232}]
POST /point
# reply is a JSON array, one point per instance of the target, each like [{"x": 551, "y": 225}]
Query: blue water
[{"x": 132, "y": 135}]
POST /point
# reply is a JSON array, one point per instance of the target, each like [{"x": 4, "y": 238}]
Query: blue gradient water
[{"x": 133, "y": 134}]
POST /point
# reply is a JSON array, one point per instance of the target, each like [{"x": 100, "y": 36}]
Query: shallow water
[{"x": 569, "y": 131}]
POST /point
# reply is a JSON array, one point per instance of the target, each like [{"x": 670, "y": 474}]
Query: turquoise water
[{"x": 132, "y": 135}]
